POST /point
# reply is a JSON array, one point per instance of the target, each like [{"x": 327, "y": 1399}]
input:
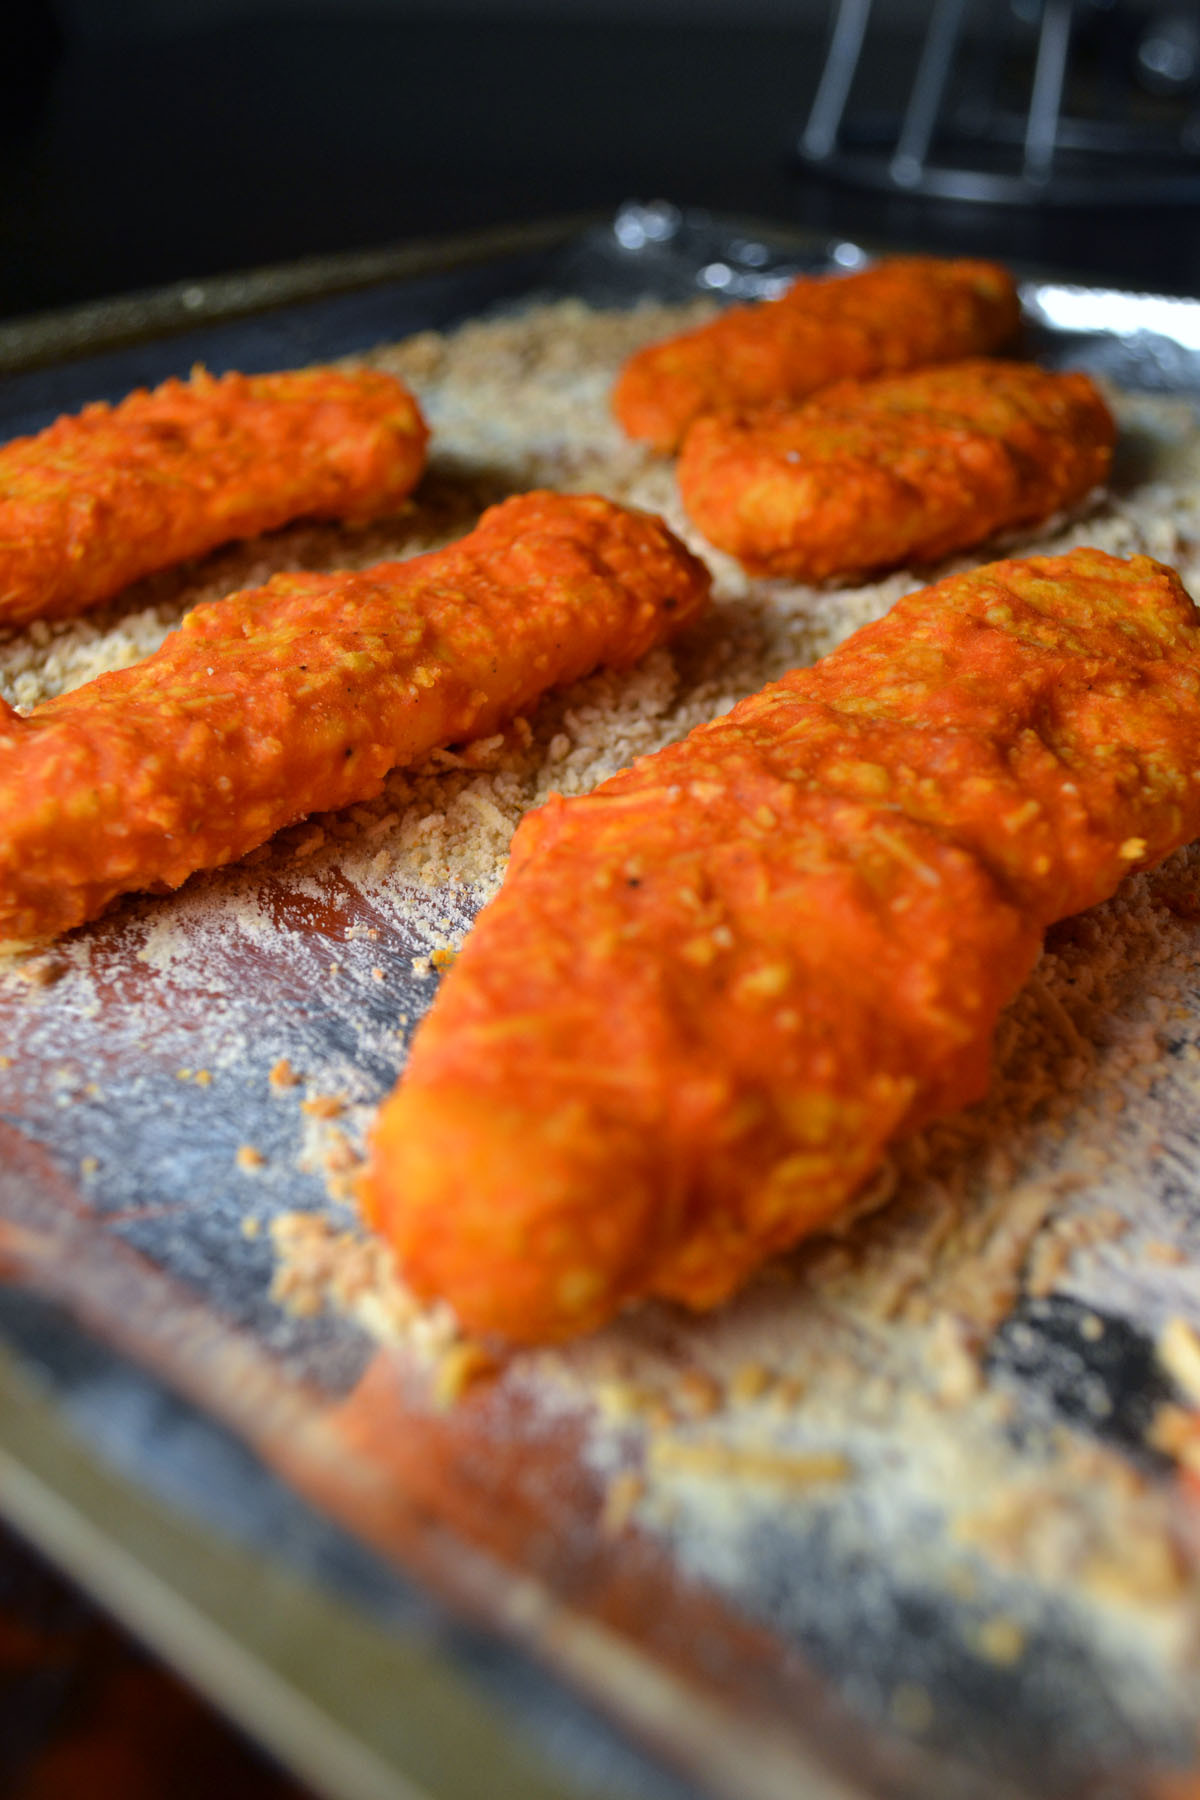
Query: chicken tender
[
  {"x": 711, "y": 993},
  {"x": 300, "y": 696},
  {"x": 870, "y": 474},
  {"x": 113, "y": 493},
  {"x": 894, "y": 315}
]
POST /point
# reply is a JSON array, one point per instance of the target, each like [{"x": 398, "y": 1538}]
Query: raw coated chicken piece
[
  {"x": 299, "y": 696},
  {"x": 897, "y": 314},
  {"x": 869, "y": 475},
  {"x": 106, "y": 496},
  {"x": 712, "y": 992}
]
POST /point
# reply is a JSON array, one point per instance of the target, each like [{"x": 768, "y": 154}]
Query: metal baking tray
[{"x": 276, "y": 1502}]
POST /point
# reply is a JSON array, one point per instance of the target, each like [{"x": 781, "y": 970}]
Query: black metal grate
[{"x": 1042, "y": 101}]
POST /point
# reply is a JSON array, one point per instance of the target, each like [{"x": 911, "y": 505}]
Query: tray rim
[{"x": 58, "y": 335}]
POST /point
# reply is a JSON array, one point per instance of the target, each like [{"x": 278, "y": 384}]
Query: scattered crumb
[
  {"x": 249, "y": 1158},
  {"x": 619, "y": 1400},
  {"x": 308, "y": 844},
  {"x": 338, "y": 1152},
  {"x": 1176, "y": 1432},
  {"x": 1053, "y": 1249},
  {"x": 319, "y": 1264},
  {"x": 323, "y": 1106},
  {"x": 911, "y": 1708},
  {"x": 956, "y": 1374},
  {"x": 282, "y": 1074},
  {"x": 459, "y": 1368},
  {"x": 1000, "y": 1640},
  {"x": 749, "y": 1383},
  {"x": 962, "y": 1581},
  {"x": 42, "y": 971},
  {"x": 620, "y": 1502},
  {"x": 725, "y": 1462},
  {"x": 251, "y": 1227},
  {"x": 787, "y": 1394},
  {"x": 1144, "y": 1573},
  {"x": 696, "y": 1394},
  {"x": 1179, "y": 1354}
]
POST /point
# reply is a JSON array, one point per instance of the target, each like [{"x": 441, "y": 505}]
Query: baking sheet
[{"x": 772, "y": 1636}]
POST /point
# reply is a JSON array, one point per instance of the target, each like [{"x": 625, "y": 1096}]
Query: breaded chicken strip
[
  {"x": 894, "y": 315},
  {"x": 113, "y": 493},
  {"x": 871, "y": 474},
  {"x": 711, "y": 993},
  {"x": 300, "y": 696}
]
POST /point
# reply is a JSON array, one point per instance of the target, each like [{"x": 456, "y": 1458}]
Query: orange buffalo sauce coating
[
  {"x": 895, "y": 315},
  {"x": 113, "y": 493},
  {"x": 710, "y": 993},
  {"x": 871, "y": 473},
  {"x": 300, "y": 696}
]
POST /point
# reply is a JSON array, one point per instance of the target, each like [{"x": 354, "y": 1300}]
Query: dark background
[{"x": 143, "y": 141}]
